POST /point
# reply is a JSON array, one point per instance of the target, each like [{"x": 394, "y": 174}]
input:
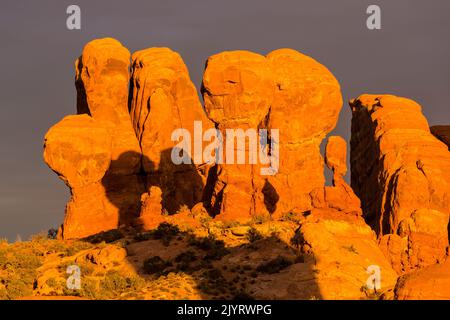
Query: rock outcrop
[
  {"x": 78, "y": 149},
  {"x": 401, "y": 173},
  {"x": 162, "y": 100},
  {"x": 139, "y": 153},
  {"x": 429, "y": 283},
  {"x": 244, "y": 90},
  {"x": 238, "y": 91},
  {"x": 344, "y": 249},
  {"x": 110, "y": 197},
  {"x": 102, "y": 77},
  {"x": 306, "y": 107}
]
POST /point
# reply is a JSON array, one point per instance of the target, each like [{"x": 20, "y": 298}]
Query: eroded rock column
[
  {"x": 238, "y": 90},
  {"x": 306, "y": 106},
  {"x": 102, "y": 75},
  {"x": 401, "y": 173},
  {"x": 163, "y": 99}
]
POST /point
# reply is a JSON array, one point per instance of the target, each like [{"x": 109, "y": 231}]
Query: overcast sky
[{"x": 409, "y": 56}]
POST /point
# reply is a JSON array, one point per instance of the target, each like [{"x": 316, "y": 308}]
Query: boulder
[{"x": 430, "y": 283}]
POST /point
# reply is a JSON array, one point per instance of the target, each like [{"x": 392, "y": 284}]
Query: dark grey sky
[{"x": 409, "y": 56}]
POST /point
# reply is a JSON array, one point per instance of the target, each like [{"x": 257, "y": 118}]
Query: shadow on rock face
[
  {"x": 124, "y": 189},
  {"x": 271, "y": 197},
  {"x": 180, "y": 184}
]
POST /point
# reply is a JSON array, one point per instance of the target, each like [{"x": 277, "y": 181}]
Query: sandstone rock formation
[
  {"x": 102, "y": 76},
  {"x": 113, "y": 193},
  {"x": 334, "y": 250},
  {"x": 442, "y": 133},
  {"x": 340, "y": 196},
  {"x": 429, "y": 283},
  {"x": 237, "y": 90},
  {"x": 78, "y": 149},
  {"x": 245, "y": 90},
  {"x": 164, "y": 99},
  {"x": 306, "y": 106},
  {"x": 241, "y": 90},
  {"x": 116, "y": 156},
  {"x": 401, "y": 173},
  {"x": 344, "y": 247}
]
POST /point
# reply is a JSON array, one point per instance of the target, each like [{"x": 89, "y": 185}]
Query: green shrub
[
  {"x": 215, "y": 249},
  {"x": 260, "y": 219},
  {"x": 275, "y": 265},
  {"x": 105, "y": 236},
  {"x": 155, "y": 265},
  {"x": 253, "y": 235}
]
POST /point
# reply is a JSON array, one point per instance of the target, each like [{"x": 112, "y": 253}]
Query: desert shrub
[
  {"x": 19, "y": 262},
  {"x": 290, "y": 216},
  {"x": 260, "y": 219},
  {"x": 230, "y": 224},
  {"x": 188, "y": 256},
  {"x": 165, "y": 232},
  {"x": 105, "y": 236},
  {"x": 213, "y": 282},
  {"x": 184, "y": 209},
  {"x": 19, "y": 287},
  {"x": 274, "y": 265},
  {"x": 253, "y": 235},
  {"x": 185, "y": 259},
  {"x": 215, "y": 249},
  {"x": 143, "y": 236},
  {"x": 298, "y": 240},
  {"x": 75, "y": 247},
  {"x": 155, "y": 265},
  {"x": 52, "y": 233},
  {"x": 115, "y": 285}
]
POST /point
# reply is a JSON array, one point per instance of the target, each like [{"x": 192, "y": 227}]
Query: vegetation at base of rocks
[
  {"x": 298, "y": 239},
  {"x": 253, "y": 235},
  {"x": 155, "y": 265},
  {"x": 185, "y": 259},
  {"x": 260, "y": 219},
  {"x": 213, "y": 283},
  {"x": 114, "y": 285},
  {"x": 19, "y": 262},
  {"x": 215, "y": 249},
  {"x": 274, "y": 265},
  {"x": 290, "y": 216},
  {"x": 370, "y": 293},
  {"x": 105, "y": 236},
  {"x": 165, "y": 232},
  {"x": 229, "y": 224}
]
